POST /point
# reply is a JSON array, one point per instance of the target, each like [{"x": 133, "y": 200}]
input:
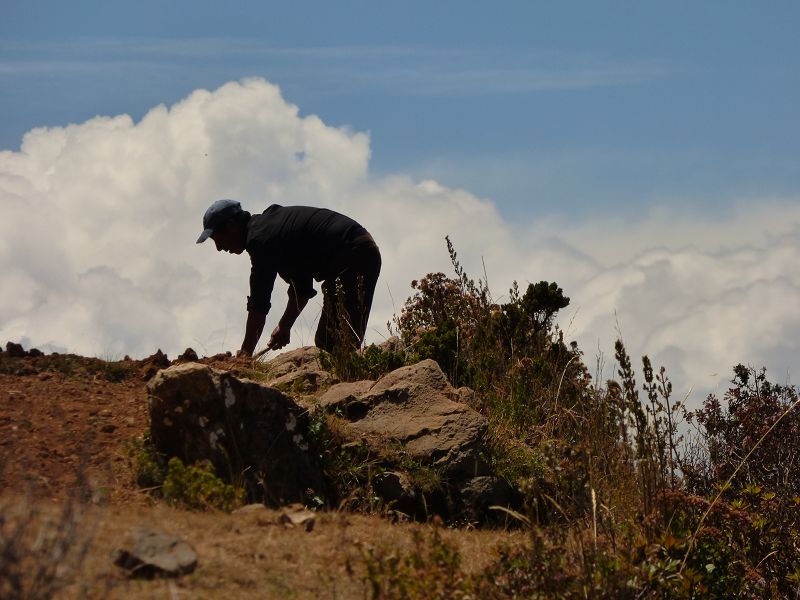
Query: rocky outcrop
[
  {"x": 415, "y": 408},
  {"x": 429, "y": 442},
  {"x": 249, "y": 432}
]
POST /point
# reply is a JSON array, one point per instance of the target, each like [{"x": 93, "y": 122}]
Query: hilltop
[
  {"x": 66, "y": 425},
  {"x": 471, "y": 457}
]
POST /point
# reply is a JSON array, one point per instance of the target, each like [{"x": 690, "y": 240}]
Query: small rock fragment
[{"x": 297, "y": 515}]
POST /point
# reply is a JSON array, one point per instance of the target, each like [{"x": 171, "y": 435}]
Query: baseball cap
[{"x": 219, "y": 213}]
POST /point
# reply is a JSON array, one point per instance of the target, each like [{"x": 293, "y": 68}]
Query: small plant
[
  {"x": 350, "y": 467},
  {"x": 371, "y": 362},
  {"x": 148, "y": 465},
  {"x": 198, "y": 487},
  {"x": 116, "y": 371}
]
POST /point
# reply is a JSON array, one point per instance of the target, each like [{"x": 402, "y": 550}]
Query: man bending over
[{"x": 300, "y": 243}]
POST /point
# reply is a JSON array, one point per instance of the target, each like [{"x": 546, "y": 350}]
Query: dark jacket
[{"x": 299, "y": 243}]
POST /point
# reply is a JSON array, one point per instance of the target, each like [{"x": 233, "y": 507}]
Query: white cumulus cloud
[{"x": 99, "y": 220}]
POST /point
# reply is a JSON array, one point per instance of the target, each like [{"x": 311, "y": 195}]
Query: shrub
[
  {"x": 370, "y": 363},
  {"x": 198, "y": 487},
  {"x": 733, "y": 428}
]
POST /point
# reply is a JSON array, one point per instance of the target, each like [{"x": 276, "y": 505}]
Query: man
[{"x": 300, "y": 243}]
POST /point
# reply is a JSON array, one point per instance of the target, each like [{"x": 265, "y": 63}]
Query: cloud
[{"x": 97, "y": 251}]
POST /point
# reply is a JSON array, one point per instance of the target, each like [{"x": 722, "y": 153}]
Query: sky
[{"x": 644, "y": 156}]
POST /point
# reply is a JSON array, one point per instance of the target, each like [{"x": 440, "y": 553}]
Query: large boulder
[
  {"x": 416, "y": 409},
  {"x": 251, "y": 433}
]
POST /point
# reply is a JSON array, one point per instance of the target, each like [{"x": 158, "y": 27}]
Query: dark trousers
[{"x": 347, "y": 299}]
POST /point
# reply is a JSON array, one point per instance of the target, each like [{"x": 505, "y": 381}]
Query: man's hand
[{"x": 279, "y": 338}]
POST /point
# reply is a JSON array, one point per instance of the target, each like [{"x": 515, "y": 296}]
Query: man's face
[{"x": 230, "y": 238}]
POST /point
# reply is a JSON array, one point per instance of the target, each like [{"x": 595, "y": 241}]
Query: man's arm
[
  {"x": 262, "y": 280},
  {"x": 294, "y": 306},
  {"x": 252, "y": 332}
]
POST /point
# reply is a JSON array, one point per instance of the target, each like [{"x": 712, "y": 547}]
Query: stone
[
  {"x": 395, "y": 488},
  {"x": 248, "y": 509},
  {"x": 413, "y": 407},
  {"x": 344, "y": 398},
  {"x": 189, "y": 355},
  {"x": 149, "y": 366},
  {"x": 479, "y": 494},
  {"x": 156, "y": 554},
  {"x": 15, "y": 350},
  {"x": 297, "y": 515},
  {"x": 299, "y": 370},
  {"x": 250, "y": 432}
]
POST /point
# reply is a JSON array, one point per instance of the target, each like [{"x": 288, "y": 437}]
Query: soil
[{"x": 65, "y": 418}]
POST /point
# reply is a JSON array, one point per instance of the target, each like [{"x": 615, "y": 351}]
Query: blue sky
[
  {"x": 570, "y": 108},
  {"x": 646, "y": 156}
]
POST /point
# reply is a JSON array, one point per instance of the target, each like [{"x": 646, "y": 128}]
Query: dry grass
[{"x": 251, "y": 555}]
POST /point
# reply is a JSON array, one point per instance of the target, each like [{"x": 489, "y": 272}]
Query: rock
[
  {"x": 412, "y": 407},
  {"x": 344, "y": 397},
  {"x": 425, "y": 376},
  {"x": 149, "y": 366},
  {"x": 478, "y": 494},
  {"x": 35, "y": 352},
  {"x": 299, "y": 370},
  {"x": 297, "y": 515},
  {"x": 189, "y": 355},
  {"x": 396, "y": 488},
  {"x": 155, "y": 554},
  {"x": 249, "y": 432},
  {"x": 15, "y": 350},
  {"x": 249, "y": 509}
]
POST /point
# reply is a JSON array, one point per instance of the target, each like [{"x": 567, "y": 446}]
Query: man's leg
[
  {"x": 359, "y": 290},
  {"x": 346, "y": 308},
  {"x": 325, "y": 336}
]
